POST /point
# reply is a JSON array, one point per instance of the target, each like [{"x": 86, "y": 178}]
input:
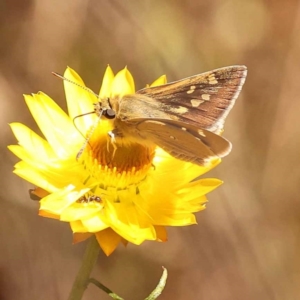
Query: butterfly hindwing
[
  {"x": 183, "y": 141},
  {"x": 202, "y": 100}
]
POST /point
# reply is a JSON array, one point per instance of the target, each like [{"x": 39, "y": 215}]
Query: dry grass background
[{"x": 247, "y": 243}]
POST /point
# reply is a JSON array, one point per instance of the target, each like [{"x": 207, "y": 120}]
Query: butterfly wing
[
  {"x": 181, "y": 140},
  {"x": 202, "y": 100}
]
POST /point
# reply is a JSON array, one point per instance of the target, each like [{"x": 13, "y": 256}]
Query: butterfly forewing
[{"x": 202, "y": 100}]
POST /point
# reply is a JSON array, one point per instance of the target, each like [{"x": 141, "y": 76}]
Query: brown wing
[
  {"x": 181, "y": 140},
  {"x": 202, "y": 100}
]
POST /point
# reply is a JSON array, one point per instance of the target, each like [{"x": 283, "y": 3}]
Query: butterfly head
[{"x": 104, "y": 108}]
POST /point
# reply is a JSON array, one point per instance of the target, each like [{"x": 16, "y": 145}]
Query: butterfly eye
[{"x": 109, "y": 113}]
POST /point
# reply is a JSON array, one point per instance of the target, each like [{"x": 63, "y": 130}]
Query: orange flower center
[{"x": 111, "y": 157}]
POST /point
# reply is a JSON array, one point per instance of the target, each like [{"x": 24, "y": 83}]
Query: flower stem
[
  {"x": 105, "y": 289},
  {"x": 82, "y": 279}
]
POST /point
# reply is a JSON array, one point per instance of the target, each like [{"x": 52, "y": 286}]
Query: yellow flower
[{"x": 127, "y": 195}]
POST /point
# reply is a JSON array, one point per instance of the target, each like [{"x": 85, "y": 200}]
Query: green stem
[
  {"x": 100, "y": 285},
  {"x": 82, "y": 279},
  {"x": 105, "y": 289}
]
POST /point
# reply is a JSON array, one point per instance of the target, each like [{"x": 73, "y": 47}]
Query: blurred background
[{"x": 247, "y": 243}]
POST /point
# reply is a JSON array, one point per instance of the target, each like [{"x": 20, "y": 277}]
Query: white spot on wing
[
  {"x": 196, "y": 102},
  {"x": 179, "y": 110},
  {"x": 191, "y": 90},
  {"x": 212, "y": 79},
  {"x": 205, "y": 97},
  {"x": 201, "y": 132},
  {"x": 213, "y": 82}
]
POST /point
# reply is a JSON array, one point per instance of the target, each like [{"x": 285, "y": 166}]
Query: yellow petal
[
  {"x": 39, "y": 193},
  {"x": 32, "y": 142},
  {"x": 35, "y": 177},
  {"x": 123, "y": 84},
  {"x": 108, "y": 240},
  {"x": 166, "y": 164},
  {"x": 94, "y": 223},
  {"x": 124, "y": 220},
  {"x": 49, "y": 175},
  {"x": 161, "y": 233},
  {"x": 60, "y": 200},
  {"x": 80, "y": 100},
  {"x": 23, "y": 154},
  {"x": 159, "y": 81},
  {"x": 78, "y": 211},
  {"x": 54, "y": 123},
  {"x": 80, "y": 237},
  {"x": 46, "y": 214},
  {"x": 177, "y": 220},
  {"x": 107, "y": 81},
  {"x": 77, "y": 227},
  {"x": 135, "y": 235},
  {"x": 199, "y": 187},
  {"x": 196, "y": 171}
]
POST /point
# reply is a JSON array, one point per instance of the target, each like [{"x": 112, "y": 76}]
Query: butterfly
[{"x": 185, "y": 117}]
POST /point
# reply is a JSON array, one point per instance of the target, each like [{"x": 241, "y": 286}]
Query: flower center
[
  {"x": 123, "y": 158},
  {"x": 115, "y": 164}
]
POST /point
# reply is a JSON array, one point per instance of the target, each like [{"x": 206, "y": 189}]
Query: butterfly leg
[
  {"x": 112, "y": 140},
  {"x": 114, "y": 135}
]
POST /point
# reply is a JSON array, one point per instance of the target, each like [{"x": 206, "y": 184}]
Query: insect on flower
[{"x": 184, "y": 117}]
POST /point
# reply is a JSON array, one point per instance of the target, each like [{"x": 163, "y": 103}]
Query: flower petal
[
  {"x": 107, "y": 81},
  {"x": 159, "y": 81},
  {"x": 108, "y": 240},
  {"x": 78, "y": 211},
  {"x": 161, "y": 233},
  {"x": 32, "y": 142},
  {"x": 95, "y": 223},
  {"x": 57, "y": 202},
  {"x": 46, "y": 214},
  {"x": 34, "y": 176},
  {"x": 199, "y": 188},
  {"x": 123, "y": 84},
  {"x": 77, "y": 227},
  {"x": 80, "y": 100},
  {"x": 80, "y": 237},
  {"x": 124, "y": 219},
  {"x": 55, "y": 124}
]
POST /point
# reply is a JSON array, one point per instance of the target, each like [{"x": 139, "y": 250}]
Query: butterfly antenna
[
  {"x": 87, "y": 139},
  {"x": 82, "y": 115},
  {"x": 75, "y": 83}
]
